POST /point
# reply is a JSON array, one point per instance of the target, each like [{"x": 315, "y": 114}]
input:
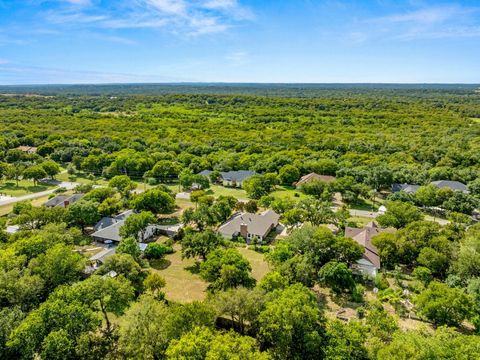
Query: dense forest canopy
[
  {"x": 111, "y": 240},
  {"x": 419, "y": 134}
]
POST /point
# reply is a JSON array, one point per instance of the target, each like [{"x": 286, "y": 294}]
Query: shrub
[{"x": 157, "y": 251}]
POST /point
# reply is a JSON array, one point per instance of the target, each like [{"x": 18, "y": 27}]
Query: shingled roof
[
  {"x": 364, "y": 237},
  {"x": 314, "y": 177}
]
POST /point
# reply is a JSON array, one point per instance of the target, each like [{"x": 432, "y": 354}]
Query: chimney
[
  {"x": 66, "y": 203},
  {"x": 243, "y": 230}
]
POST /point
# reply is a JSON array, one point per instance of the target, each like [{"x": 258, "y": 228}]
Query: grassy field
[
  {"x": 81, "y": 178},
  {"x": 259, "y": 265},
  {"x": 24, "y": 187},
  {"x": 288, "y": 191},
  {"x": 184, "y": 286},
  {"x": 4, "y": 210},
  {"x": 218, "y": 190}
]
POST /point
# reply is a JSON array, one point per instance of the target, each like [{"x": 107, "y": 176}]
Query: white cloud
[
  {"x": 434, "y": 22},
  {"x": 183, "y": 17},
  {"x": 3, "y": 62}
]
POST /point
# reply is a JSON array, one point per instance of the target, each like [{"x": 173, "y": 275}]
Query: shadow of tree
[
  {"x": 160, "y": 264},
  {"x": 194, "y": 269}
]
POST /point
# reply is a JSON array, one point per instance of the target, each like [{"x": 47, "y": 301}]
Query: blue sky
[{"x": 100, "y": 41}]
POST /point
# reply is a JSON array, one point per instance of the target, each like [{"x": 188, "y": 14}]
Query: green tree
[
  {"x": 288, "y": 174},
  {"x": 51, "y": 168},
  {"x": 136, "y": 225},
  {"x": 337, "y": 276},
  {"x": 83, "y": 213},
  {"x": 122, "y": 183},
  {"x": 444, "y": 305},
  {"x": 225, "y": 269},
  {"x": 399, "y": 215},
  {"x": 129, "y": 245},
  {"x": 200, "y": 244},
  {"x": 59, "y": 265},
  {"x": 155, "y": 201},
  {"x": 292, "y": 325},
  {"x": 35, "y": 173}
]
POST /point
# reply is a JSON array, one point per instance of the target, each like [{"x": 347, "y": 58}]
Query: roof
[
  {"x": 408, "y": 188},
  {"x": 257, "y": 224},
  {"x": 364, "y": 237},
  {"x": 315, "y": 177},
  {"x": 100, "y": 256},
  {"x": 454, "y": 185},
  {"x": 60, "y": 200},
  {"x": 234, "y": 175},
  {"x": 109, "y": 227},
  {"x": 31, "y": 149}
]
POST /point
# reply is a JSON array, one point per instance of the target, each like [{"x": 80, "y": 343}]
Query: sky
[{"x": 278, "y": 41}]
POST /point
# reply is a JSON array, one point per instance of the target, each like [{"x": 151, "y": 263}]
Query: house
[
  {"x": 231, "y": 178},
  {"x": 452, "y": 185},
  {"x": 409, "y": 189},
  {"x": 370, "y": 261},
  {"x": 314, "y": 177},
  {"x": 63, "y": 200},
  {"x": 250, "y": 226},
  {"x": 27, "y": 149},
  {"x": 108, "y": 228}
]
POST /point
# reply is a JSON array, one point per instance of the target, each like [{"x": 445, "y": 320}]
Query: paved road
[{"x": 15, "y": 199}]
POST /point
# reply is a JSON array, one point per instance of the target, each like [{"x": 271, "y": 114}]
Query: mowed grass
[
  {"x": 6, "y": 209},
  {"x": 219, "y": 190},
  {"x": 257, "y": 261},
  {"x": 183, "y": 285},
  {"x": 24, "y": 187},
  {"x": 81, "y": 179},
  {"x": 283, "y": 192}
]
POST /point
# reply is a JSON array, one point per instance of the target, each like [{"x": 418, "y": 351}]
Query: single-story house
[
  {"x": 169, "y": 230},
  {"x": 452, "y": 185},
  {"x": 369, "y": 264},
  {"x": 314, "y": 177},
  {"x": 231, "y": 178},
  {"x": 27, "y": 149},
  {"x": 108, "y": 228},
  {"x": 408, "y": 188},
  {"x": 250, "y": 226},
  {"x": 412, "y": 189},
  {"x": 63, "y": 200}
]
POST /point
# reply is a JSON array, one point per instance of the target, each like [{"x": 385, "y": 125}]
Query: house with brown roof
[
  {"x": 250, "y": 226},
  {"x": 27, "y": 149},
  {"x": 369, "y": 264},
  {"x": 314, "y": 177}
]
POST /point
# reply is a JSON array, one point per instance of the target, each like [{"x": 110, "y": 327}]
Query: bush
[
  {"x": 157, "y": 251},
  {"x": 357, "y": 293},
  {"x": 381, "y": 282}
]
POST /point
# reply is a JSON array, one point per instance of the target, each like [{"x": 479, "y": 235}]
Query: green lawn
[
  {"x": 181, "y": 284},
  {"x": 184, "y": 286},
  {"x": 24, "y": 187},
  {"x": 365, "y": 204},
  {"x": 81, "y": 178},
  {"x": 219, "y": 190},
  {"x": 288, "y": 192},
  {"x": 6, "y": 209},
  {"x": 257, "y": 260}
]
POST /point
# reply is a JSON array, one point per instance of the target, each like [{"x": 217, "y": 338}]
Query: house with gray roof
[
  {"x": 250, "y": 226},
  {"x": 63, "y": 200},
  {"x": 452, "y": 185},
  {"x": 108, "y": 228},
  {"x": 408, "y": 188},
  {"x": 231, "y": 178}
]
